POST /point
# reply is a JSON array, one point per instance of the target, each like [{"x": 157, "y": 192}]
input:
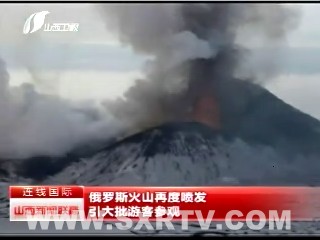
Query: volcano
[
  {"x": 261, "y": 141},
  {"x": 254, "y": 121}
]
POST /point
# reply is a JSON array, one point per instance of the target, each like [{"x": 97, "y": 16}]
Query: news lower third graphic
[{"x": 253, "y": 205}]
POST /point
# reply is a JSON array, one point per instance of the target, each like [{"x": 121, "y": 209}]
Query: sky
[{"x": 93, "y": 64}]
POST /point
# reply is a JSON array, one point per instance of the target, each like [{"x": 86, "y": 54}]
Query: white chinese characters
[
  {"x": 145, "y": 204},
  {"x": 147, "y": 197}
]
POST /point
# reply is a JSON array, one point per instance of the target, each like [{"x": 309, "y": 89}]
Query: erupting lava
[{"x": 206, "y": 111}]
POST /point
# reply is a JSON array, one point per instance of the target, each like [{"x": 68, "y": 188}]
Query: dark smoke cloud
[{"x": 191, "y": 47}]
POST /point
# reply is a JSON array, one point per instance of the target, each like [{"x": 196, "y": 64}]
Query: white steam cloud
[{"x": 37, "y": 124}]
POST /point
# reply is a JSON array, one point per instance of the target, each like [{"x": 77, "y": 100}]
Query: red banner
[
  {"x": 176, "y": 203},
  {"x": 46, "y": 192}
]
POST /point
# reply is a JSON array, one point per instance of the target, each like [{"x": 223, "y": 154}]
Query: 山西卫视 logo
[{"x": 37, "y": 20}]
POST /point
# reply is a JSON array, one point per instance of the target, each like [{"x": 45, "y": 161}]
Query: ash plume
[{"x": 193, "y": 49}]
